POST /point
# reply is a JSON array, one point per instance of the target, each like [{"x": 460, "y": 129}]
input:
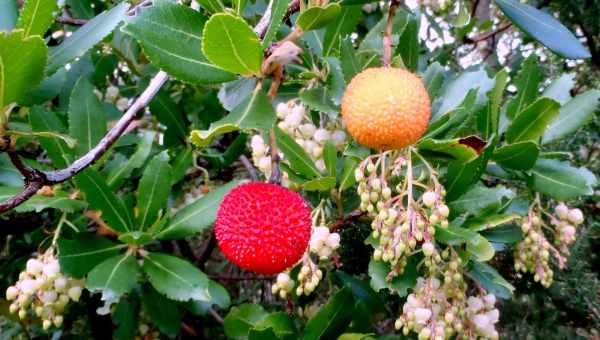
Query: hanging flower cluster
[
  {"x": 42, "y": 290},
  {"x": 532, "y": 255}
]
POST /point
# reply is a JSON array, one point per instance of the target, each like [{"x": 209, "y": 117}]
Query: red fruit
[{"x": 263, "y": 227}]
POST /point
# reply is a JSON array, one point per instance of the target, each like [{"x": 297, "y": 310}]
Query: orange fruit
[{"x": 386, "y": 108}]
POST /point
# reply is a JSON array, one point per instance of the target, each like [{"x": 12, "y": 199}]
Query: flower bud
[
  {"x": 575, "y": 216},
  {"x": 562, "y": 211},
  {"x": 11, "y": 293},
  {"x": 428, "y": 249},
  {"x": 338, "y": 137},
  {"x": 74, "y": 293},
  {"x": 321, "y": 136},
  {"x": 34, "y": 266},
  {"x": 307, "y": 130},
  {"x": 429, "y": 198},
  {"x": 282, "y": 110}
]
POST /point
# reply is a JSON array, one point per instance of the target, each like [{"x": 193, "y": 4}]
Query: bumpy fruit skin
[
  {"x": 386, "y": 108},
  {"x": 263, "y": 227}
]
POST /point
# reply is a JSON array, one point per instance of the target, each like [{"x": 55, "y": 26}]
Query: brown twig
[
  {"x": 275, "y": 169},
  {"x": 263, "y": 25},
  {"x": 356, "y": 214},
  {"x": 71, "y": 21},
  {"x": 387, "y": 35},
  {"x": 487, "y": 35},
  {"x": 207, "y": 251},
  {"x": 249, "y": 167},
  {"x": 216, "y": 316},
  {"x": 35, "y": 179}
]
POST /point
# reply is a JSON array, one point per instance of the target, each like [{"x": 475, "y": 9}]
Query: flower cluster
[
  {"x": 283, "y": 285},
  {"x": 309, "y": 276},
  {"x": 436, "y": 311},
  {"x": 296, "y": 122},
  {"x": 112, "y": 95},
  {"x": 43, "y": 290},
  {"x": 323, "y": 242},
  {"x": 402, "y": 224},
  {"x": 532, "y": 255}
]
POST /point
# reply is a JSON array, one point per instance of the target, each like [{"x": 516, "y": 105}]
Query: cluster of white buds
[
  {"x": 296, "y": 122},
  {"x": 323, "y": 242},
  {"x": 435, "y": 315},
  {"x": 401, "y": 224},
  {"x": 112, "y": 95},
  {"x": 283, "y": 285},
  {"x": 481, "y": 316},
  {"x": 532, "y": 255},
  {"x": 309, "y": 276},
  {"x": 43, "y": 290}
]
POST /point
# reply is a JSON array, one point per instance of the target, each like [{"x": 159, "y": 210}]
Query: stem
[
  {"x": 275, "y": 170},
  {"x": 249, "y": 167},
  {"x": 62, "y": 220},
  {"x": 387, "y": 36}
]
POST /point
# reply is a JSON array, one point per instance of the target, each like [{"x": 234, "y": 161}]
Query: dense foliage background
[{"x": 134, "y": 226}]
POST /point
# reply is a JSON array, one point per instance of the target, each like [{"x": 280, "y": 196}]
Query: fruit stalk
[{"x": 387, "y": 36}]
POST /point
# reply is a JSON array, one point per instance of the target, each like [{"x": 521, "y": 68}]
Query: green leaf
[
  {"x": 255, "y": 112},
  {"x": 218, "y": 297},
  {"x": 507, "y": 234},
  {"x": 241, "y": 319},
  {"x": 169, "y": 114},
  {"x": 125, "y": 317},
  {"x": 154, "y": 190},
  {"x": 117, "y": 175},
  {"x": 573, "y": 115},
  {"x": 171, "y": 36},
  {"x": 86, "y": 37},
  {"x": 117, "y": 275},
  {"x": 295, "y": 155},
  {"x": 320, "y": 99},
  {"x": 350, "y": 63},
  {"x": 544, "y": 28},
  {"x": 79, "y": 255},
  {"x": 332, "y": 318},
  {"x": 408, "y": 47},
  {"x": 361, "y": 290},
  {"x": 455, "y": 90},
  {"x": 163, "y": 312},
  {"x": 518, "y": 156},
  {"x": 451, "y": 147},
  {"x": 489, "y": 222},
  {"x": 230, "y": 43},
  {"x": 434, "y": 78},
  {"x": 347, "y": 178},
  {"x": 527, "y": 83},
  {"x": 231, "y": 94},
  {"x": 454, "y": 235},
  {"x": 9, "y": 175},
  {"x": 57, "y": 149},
  {"x": 490, "y": 279},
  {"x": 212, "y": 6},
  {"x": 37, "y": 16},
  {"x": 335, "y": 80},
  {"x": 176, "y": 278},
  {"x": 320, "y": 184},
  {"x": 343, "y": 25},
  {"x": 22, "y": 61},
  {"x": 87, "y": 121},
  {"x": 480, "y": 248},
  {"x": 60, "y": 201},
  {"x": 330, "y": 158},
  {"x": 278, "y": 10},
  {"x": 561, "y": 180},
  {"x": 489, "y": 119},
  {"x": 532, "y": 122},
  {"x": 379, "y": 270},
  {"x": 373, "y": 40},
  {"x": 102, "y": 198},
  {"x": 280, "y": 322},
  {"x": 197, "y": 216},
  {"x": 560, "y": 89},
  {"x": 318, "y": 17},
  {"x": 480, "y": 199},
  {"x": 461, "y": 176},
  {"x": 136, "y": 238},
  {"x": 49, "y": 88},
  {"x": 356, "y": 336},
  {"x": 182, "y": 162}
]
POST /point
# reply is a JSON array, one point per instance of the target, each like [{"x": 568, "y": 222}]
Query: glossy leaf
[
  {"x": 488, "y": 120},
  {"x": 560, "y": 89},
  {"x": 87, "y": 120},
  {"x": 230, "y": 43},
  {"x": 171, "y": 36},
  {"x": 408, "y": 46},
  {"x": 117, "y": 175},
  {"x": 480, "y": 248},
  {"x": 318, "y": 17},
  {"x": 23, "y": 60},
  {"x": 153, "y": 190},
  {"x": 561, "y": 180},
  {"x": 241, "y": 319},
  {"x": 527, "y": 83},
  {"x": 295, "y": 155},
  {"x": 79, "y": 255},
  {"x": 320, "y": 184},
  {"x": 36, "y": 16},
  {"x": 116, "y": 275},
  {"x": 163, "y": 312},
  {"x": 332, "y": 318},
  {"x": 86, "y": 37},
  {"x": 343, "y": 25},
  {"x": 532, "y": 122},
  {"x": 480, "y": 199},
  {"x": 379, "y": 270},
  {"x": 518, "y": 156},
  {"x": 451, "y": 147},
  {"x": 573, "y": 115},
  {"x": 544, "y": 28},
  {"x": 197, "y": 216},
  {"x": 255, "y": 112},
  {"x": 102, "y": 198},
  {"x": 176, "y": 278},
  {"x": 278, "y": 10},
  {"x": 490, "y": 279}
]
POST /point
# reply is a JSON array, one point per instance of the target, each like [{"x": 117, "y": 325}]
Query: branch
[
  {"x": 36, "y": 179},
  {"x": 485, "y": 36},
  {"x": 356, "y": 214},
  {"x": 71, "y": 21},
  {"x": 249, "y": 167},
  {"x": 387, "y": 36},
  {"x": 263, "y": 24}
]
